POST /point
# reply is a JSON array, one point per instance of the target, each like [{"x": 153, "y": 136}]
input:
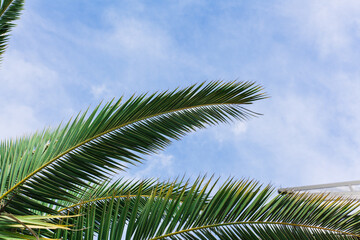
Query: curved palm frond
[
  {"x": 50, "y": 166},
  {"x": 123, "y": 189},
  {"x": 10, "y": 11},
  {"x": 263, "y": 232},
  {"x": 237, "y": 210},
  {"x": 130, "y": 194}
]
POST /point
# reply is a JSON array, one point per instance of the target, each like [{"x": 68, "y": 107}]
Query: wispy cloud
[
  {"x": 333, "y": 28},
  {"x": 27, "y": 88},
  {"x": 304, "y": 52},
  {"x": 17, "y": 120},
  {"x": 133, "y": 38},
  {"x": 157, "y": 166},
  {"x": 309, "y": 133}
]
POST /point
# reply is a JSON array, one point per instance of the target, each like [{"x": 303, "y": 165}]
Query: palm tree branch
[
  {"x": 185, "y": 110},
  {"x": 238, "y": 207},
  {"x": 98, "y": 136},
  {"x": 254, "y": 223}
]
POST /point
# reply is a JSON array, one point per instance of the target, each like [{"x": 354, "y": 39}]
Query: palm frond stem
[
  {"x": 99, "y": 199},
  {"x": 5, "y": 6},
  {"x": 255, "y": 223}
]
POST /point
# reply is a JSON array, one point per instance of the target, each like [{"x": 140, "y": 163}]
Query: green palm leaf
[
  {"x": 9, "y": 12},
  {"x": 122, "y": 189},
  {"x": 237, "y": 210},
  {"x": 10, "y": 225},
  {"x": 264, "y": 232},
  {"x": 49, "y": 166},
  {"x": 123, "y": 194}
]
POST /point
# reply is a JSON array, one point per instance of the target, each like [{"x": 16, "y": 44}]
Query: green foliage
[
  {"x": 50, "y": 166},
  {"x": 56, "y": 183},
  {"x": 9, "y": 12},
  {"x": 56, "y": 168},
  {"x": 237, "y": 210}
]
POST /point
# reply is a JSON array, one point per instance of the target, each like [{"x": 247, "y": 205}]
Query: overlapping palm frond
[
  {"x": 237, "y": 210},
  {"x": 48, "y": 167},
  {"x": 121, "y": 193},
  {"x": 9, "y": 12},
  {"x": 30, "y": 225},
  {"x": 123, "y": 189}
]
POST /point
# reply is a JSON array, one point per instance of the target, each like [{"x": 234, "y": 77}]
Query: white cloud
[
  {"x": 99, "y": 90},
  {"x": 310, "y": 131},
  {"x": 304, "y": 138},
  {"x": 134, "y": 37},
  {"x": 160, "y": 165},
  {"x": 332, "y": 26},
  {"x": 239, "y": 128},
  {"x": 24, "y": 89},
  {"x": 31, "y": 95},
  {"x": 17, "y": 120}
]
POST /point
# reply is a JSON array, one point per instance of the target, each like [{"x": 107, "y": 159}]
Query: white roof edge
[{"x": 319, "y": 186}]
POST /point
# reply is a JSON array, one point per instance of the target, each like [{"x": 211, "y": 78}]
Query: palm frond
[
  {"x": 48, "y": 166},
  {"x": 123, "y": 189},
  {"x": 11, "y": 224},
  {"x": 263, "y": 232},
  {"x": 124, "y": 194},
  {"x": 10, "y": 11},
  {"x": 237, "y": 210}
]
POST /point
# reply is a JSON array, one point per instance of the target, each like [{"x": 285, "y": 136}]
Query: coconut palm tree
[{"x": 57, "y": 183}]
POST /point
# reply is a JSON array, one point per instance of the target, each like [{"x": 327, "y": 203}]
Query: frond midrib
[
  {"x": 5, "y": 8},
  {"x": 254, "y": 223},
  {"x": 100, "y": 199},
  {"x": 106, "y": 132}
]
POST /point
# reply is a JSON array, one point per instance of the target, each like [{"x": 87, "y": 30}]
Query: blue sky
[{"x": 66, "y": 55}]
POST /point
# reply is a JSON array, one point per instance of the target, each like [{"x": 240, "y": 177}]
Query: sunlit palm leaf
[
  {"x": 238, "y": 210},
  {"x": 121, "y": 193},
  {"x": 29, "y": 225},
  {"x": 50, "y": 165}
]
